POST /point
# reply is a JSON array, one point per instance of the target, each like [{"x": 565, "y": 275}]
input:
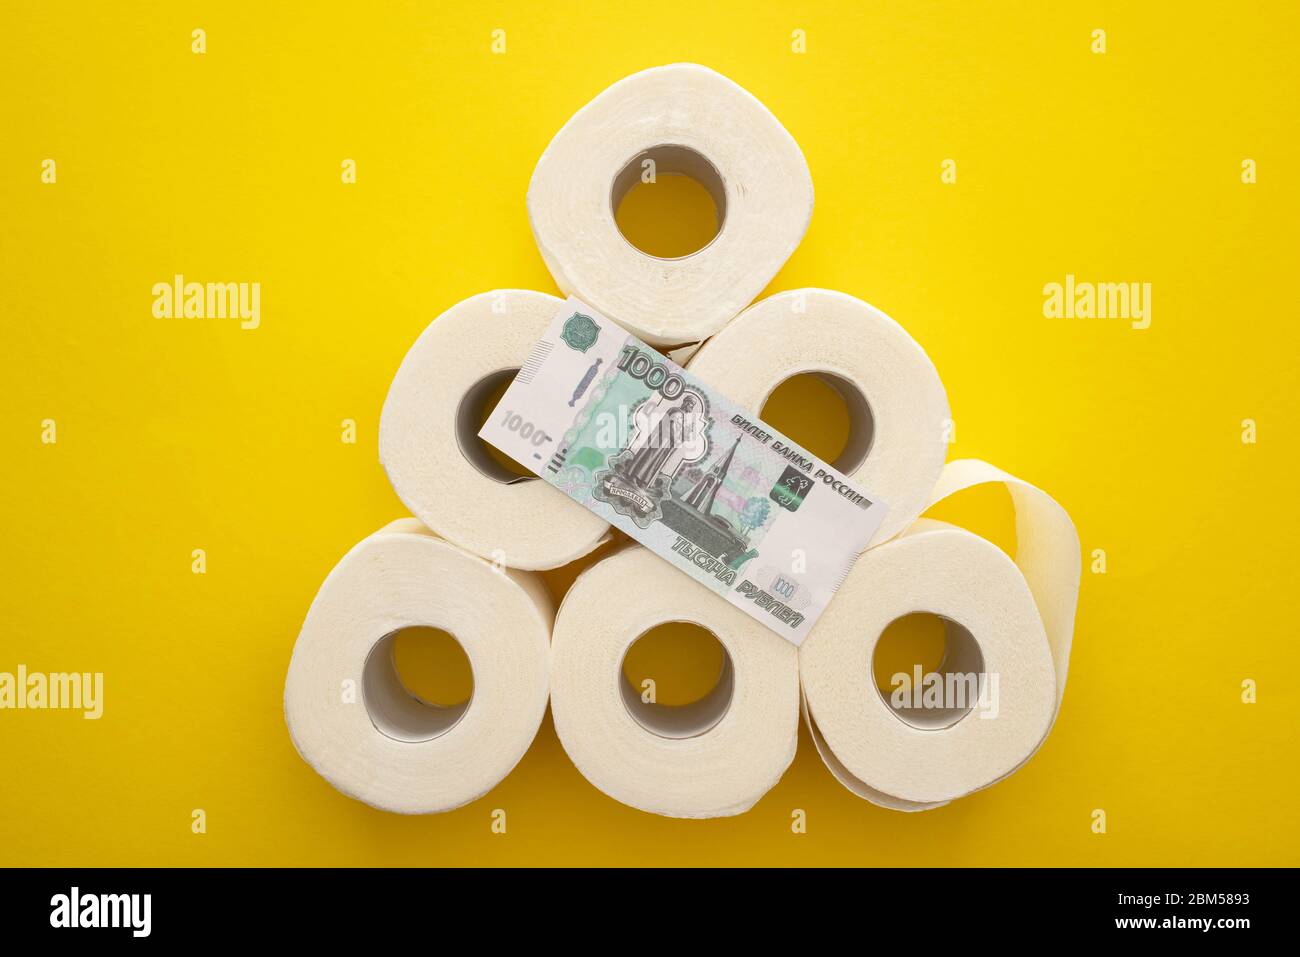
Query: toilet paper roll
[
  {"x": 354, "y": 722},
  {"x": 442, "y": 471},
  {"x": 684, "y": 119},
  {"x": 713, "y": 758},
  {"x": 1017, "y": 616},
  {"x": 898, "y": 409}
]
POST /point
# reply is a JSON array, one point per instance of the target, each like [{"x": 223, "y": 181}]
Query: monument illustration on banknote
[{"x": 655, "y": 478}]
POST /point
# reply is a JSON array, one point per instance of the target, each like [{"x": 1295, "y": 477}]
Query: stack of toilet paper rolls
[{"x": 467, "y": 561}]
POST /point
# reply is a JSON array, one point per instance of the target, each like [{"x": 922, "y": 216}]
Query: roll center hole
[
  {"x": 929, "y": 671},
  {"x": 669, "y": 201},
  {"x": 417, "y": 683},
  {"x": 826, "y": 414},
  {"x": 475, "y": 406},
  {"x": 677, "y": 680}
]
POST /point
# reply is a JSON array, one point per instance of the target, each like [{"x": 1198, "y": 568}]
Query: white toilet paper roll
[
  {"x": 684, "y": 119},
  {"x": 1011, "y": 620},
  {"x": 967, "y": 581},
  {"x": 898, "y": 409},
  {"x": 713, "y": 758},
  {"x": 429, "y": 445},
  {"x": 354, "y": 722}
]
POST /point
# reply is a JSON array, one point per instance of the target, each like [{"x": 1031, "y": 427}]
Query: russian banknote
[{"x": 703, "y": 483}]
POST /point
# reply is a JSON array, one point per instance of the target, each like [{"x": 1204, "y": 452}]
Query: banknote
[{"x": 686, "y": 472}]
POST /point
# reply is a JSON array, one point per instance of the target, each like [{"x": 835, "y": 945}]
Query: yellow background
[{"x": 176, "y": 435}]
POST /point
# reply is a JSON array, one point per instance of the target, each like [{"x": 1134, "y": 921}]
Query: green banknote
[{"x": 703, "y": 483}]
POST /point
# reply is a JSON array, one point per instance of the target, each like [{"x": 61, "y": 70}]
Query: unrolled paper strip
[{"x": 679, "y": 467}]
